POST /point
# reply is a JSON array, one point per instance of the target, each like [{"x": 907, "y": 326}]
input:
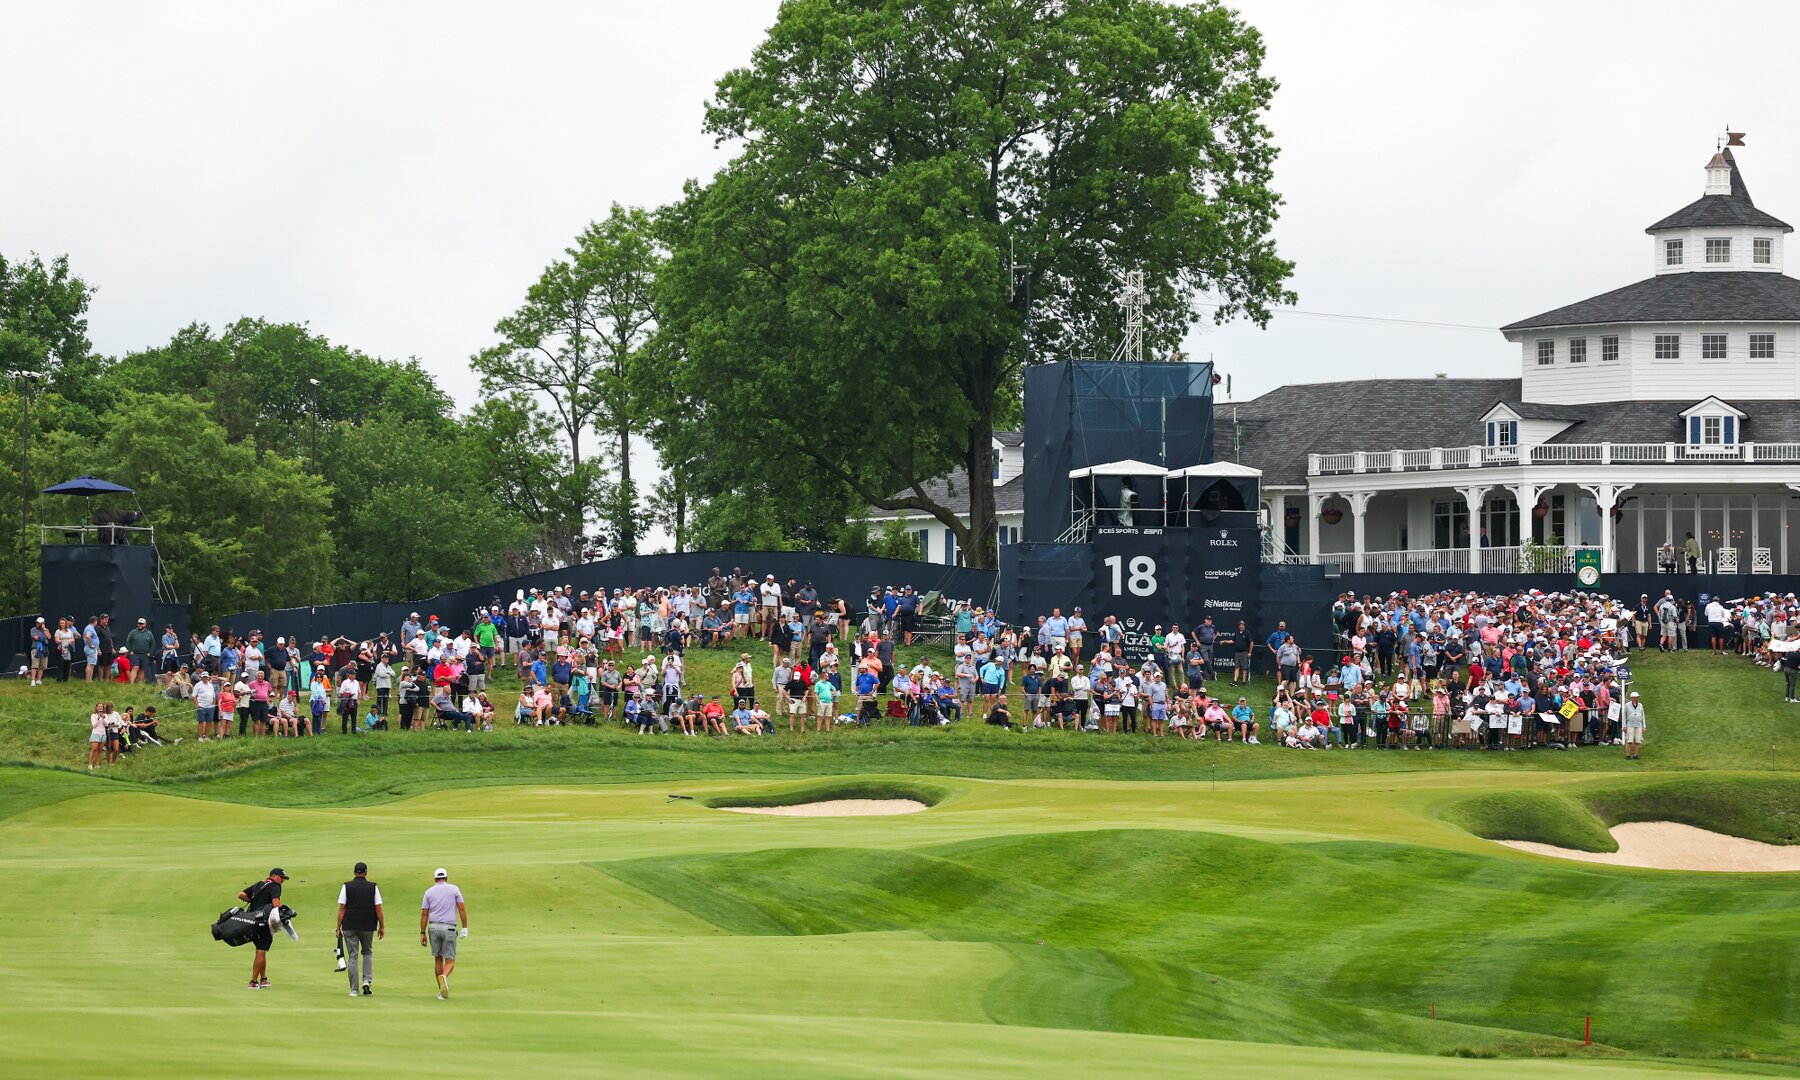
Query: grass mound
[
  {"x": 1764, "y": 808},
  {"x": 1343, "y": 943},
  {"x": 861, "y": 788},
  {"x": 1540, "y": 817}
]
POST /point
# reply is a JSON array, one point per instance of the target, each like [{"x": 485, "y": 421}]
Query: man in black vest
[{"x": 360, "y": 921}]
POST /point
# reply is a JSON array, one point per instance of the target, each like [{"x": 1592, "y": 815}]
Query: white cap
[{"x": 440, "y": 874}]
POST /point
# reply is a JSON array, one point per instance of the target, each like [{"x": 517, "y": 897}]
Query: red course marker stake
[{"x": 1587, "y": 1031}]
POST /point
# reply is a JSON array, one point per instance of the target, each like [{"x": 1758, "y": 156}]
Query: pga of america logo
[
  {"x": 1224, "y": 540},
  {"x": 1135, "y": 635}
]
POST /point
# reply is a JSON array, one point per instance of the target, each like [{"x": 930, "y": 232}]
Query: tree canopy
[{"x": 928, "y": 194}]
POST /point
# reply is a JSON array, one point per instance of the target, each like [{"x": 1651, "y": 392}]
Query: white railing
[
  {"x": 1779, "y": 452},
  {"x": 1488, "y": 560},
  {"x": 1467, "y": 457}
]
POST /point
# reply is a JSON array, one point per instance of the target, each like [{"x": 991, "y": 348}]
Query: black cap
[
  {"x": 360, "y": 868},
  {"x": 278, "y": 872}
]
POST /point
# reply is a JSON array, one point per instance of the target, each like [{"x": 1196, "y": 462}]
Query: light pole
[{"x": 25, "y": 378}]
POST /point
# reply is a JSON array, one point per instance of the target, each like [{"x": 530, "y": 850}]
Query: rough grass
[
  {"x": 1706, "y": 712},
  {"x": 1765, "y": 808}
]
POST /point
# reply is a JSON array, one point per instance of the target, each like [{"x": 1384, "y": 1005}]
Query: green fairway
[{"x": 1070, "y": 905}]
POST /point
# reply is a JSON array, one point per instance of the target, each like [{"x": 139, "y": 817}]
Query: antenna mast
[{"x": 1131, "y": 298}]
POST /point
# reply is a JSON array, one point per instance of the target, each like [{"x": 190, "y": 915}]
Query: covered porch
[{"x": 1533, "y": 527}]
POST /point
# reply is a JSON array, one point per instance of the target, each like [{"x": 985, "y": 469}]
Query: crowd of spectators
[
  {"x": 1461, "y": 670},
  {"x": 1443, "y": 670}
]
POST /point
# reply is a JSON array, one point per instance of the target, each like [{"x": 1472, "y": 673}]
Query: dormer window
[
  {"x": 1712, "y": 432},
  {"x": 1713, "y": 427},
  {"x": 1546, "y": 353},
  {"x": 1718, "y": 249},
  {"x": 1503, "y": 433},
  {"x": 1762, "y": 251},
  {"x": 1671, "y": 253}
]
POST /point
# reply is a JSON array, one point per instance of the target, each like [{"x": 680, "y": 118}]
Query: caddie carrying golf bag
[{"x": 236, "y": 926}]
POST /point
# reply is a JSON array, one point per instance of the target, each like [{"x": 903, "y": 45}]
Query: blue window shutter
[
  {"x": 1694, "y": 430},
  {"x": 1490, "y": 433},
  {"x": 1730, "y": 435},
  {"x": 1514, "y": 431}
]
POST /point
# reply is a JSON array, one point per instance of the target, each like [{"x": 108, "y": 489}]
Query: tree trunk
[
  {"x": 627, "y": 524},
  {"x": 680, "y": 514},
  {"x": 980, "y": 549}
]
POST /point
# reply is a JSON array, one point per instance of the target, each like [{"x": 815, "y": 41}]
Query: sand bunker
[
  {"x": 836, "y": 808},
  {"x": 1665, "y": 845}
]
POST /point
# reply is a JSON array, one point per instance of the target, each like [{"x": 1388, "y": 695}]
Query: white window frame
[
  {"x": 1715, "y": 346},
  {"x": 1609, "y": 348},
  {"x": 1669, "y": 342},
  {"x": 1672, "y": 252},
  {"x": 1762, "y": 251},
  {"x": 1712, "y": 431},
  {"x": 1578, "y": 350},
  {"x": 1546, "y": 352},
  {"x": 1762, "y": 346},
  {"x": 1718, "y": 250}
]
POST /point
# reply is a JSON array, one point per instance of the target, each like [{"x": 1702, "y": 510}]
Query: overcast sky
[{"x": 396, "y": 174}]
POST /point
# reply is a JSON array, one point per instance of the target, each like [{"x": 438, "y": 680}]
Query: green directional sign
[{"x": 1587, "y": 568}]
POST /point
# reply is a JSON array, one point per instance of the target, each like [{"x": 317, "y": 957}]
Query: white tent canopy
[
  {"x": 1118, "y": 468},
  {"x": 1216, "y": 469}
]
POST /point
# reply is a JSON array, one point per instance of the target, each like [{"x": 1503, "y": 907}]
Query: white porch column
[
  {"x": 1606, "y": 496},
  {"x": 1315, "y": 505},
  {"x": 1278, "y": 525},
  {"x": 1525, "y": 493},
  {"x": 1785, "y": 504},
  {"x": 1359, "y": 505},
  {"x": 1474, "y": 496}
]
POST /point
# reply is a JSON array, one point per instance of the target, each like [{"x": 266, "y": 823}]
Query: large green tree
[
  {"x": 930, "y": 192},
  {"x": 236, "y": 528},
  {"x": 617, "y": 258}
]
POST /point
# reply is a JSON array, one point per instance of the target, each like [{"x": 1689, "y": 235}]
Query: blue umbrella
[{"x": 88, "y": 485}]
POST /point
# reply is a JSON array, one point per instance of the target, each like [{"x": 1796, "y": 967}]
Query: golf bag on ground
[{"x": 235, "y": 926}]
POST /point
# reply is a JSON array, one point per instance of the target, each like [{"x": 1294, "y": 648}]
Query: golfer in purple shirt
[{"x": 438, "y": 916}]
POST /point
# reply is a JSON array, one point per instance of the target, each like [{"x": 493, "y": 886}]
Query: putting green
[{"x": 1027, "y": 927}]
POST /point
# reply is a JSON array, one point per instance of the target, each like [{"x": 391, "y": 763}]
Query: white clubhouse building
[
  {"x": 1664, "y": 408},
  {"x": 1668, "y": 407}
]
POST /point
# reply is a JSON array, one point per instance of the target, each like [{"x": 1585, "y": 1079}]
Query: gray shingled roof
[
  {"x": 1695, "y": 296},
  {"x": 1276, "y": 431},
  {"x": 1733, "y": 209},
  {"x": 1660, "y": 421},
  {"x": 1010, "y": 438},
  {"x": 953, "y": 492},
  {"x": 1536, "y": 410}
]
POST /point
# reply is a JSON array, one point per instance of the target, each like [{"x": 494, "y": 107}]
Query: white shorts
[
  {"x": 741, "y": 620},
  {"x": 1632, "y": 735},
  {"x": 797, "y": 706}
]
